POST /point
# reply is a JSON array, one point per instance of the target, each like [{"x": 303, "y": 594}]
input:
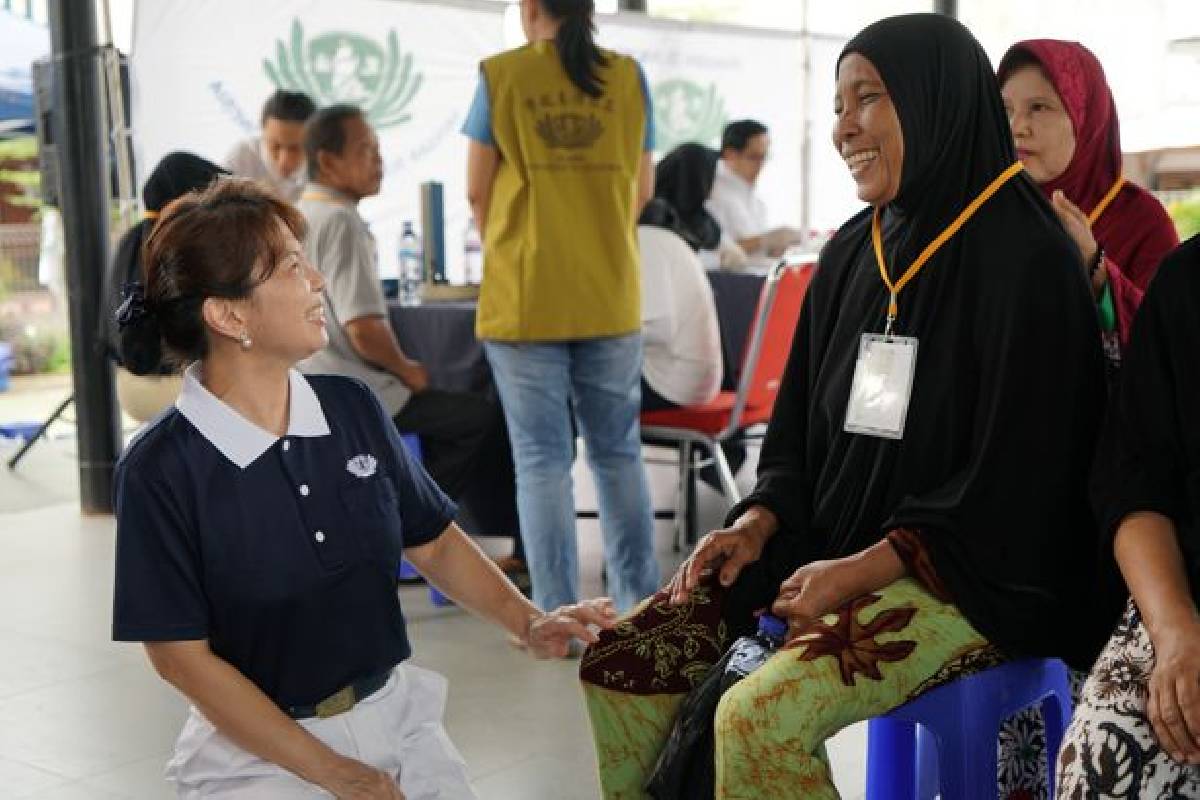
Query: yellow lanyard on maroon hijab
[
  {"x": 319, "y": 196},
  {"x": 932, "y": 247},
  {"x": 1107, "y": 200}
]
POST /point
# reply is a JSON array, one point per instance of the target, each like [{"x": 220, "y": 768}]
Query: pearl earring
[{"x": 245, "y": 340}]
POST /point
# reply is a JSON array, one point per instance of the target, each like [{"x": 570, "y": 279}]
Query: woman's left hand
[
  {"x": 551, "y": 632},
  {"x": 1173, "y": 705},
  {"x": 1077, "y": 225},
  {"x": 817, "y": 589}
]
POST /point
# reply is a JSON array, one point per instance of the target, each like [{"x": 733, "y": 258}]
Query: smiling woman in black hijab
[{"x": 923, "y": 477}]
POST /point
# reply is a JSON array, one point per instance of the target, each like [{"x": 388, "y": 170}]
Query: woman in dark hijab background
[
  {"x": 145, "y": 394},
  {"x": 949, "y": 537},
  {"x": 683, "y": 179},
  {"x": 1065, "y": 125}
]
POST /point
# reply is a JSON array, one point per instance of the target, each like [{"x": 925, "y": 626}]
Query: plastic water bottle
[
  {"x": 412, "y": 267},
  {"x": 685, "y": 764},
  {"x": 473, "y": 255},
  {"x": 750, "y": 652}
]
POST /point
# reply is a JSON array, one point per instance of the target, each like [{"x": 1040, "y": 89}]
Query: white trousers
[{"x": 398, "y": 730}]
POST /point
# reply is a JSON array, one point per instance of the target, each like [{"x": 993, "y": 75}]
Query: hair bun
[{"x": 141, "y": 345}]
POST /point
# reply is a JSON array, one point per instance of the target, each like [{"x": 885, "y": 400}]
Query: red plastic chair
[{"x": 730, "y": 414}]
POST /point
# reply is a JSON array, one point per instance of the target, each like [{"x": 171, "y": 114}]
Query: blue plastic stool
[
  {"x": 945, "y": 740},
  {"x": 407, "y": 570},
  {"x": 20, "y": 430}
]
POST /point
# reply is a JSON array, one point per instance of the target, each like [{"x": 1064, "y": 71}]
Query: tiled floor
[{"x": 82, "y": 718}]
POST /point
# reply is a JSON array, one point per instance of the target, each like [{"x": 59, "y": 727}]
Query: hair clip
[{"x": 133, "y": 305}]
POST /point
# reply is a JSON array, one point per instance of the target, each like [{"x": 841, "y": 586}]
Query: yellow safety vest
[{"x": 560, "y": 245}]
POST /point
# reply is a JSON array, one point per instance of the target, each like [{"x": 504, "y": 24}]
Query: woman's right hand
[
  {"x": 730, "y": 549},
  {"x": 414, "y": 376},
  {"x": 1174, "y": 702},
  {"x": 353, "y": 780}
]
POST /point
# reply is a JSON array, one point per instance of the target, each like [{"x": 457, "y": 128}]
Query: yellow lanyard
[
  {"x": 927, "y": 253},
  {"x": 321, "y": 197},
  {"x": 1107, "y": 201}
]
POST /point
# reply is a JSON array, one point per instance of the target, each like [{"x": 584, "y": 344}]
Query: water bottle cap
[{"x": 772, "y": 627}]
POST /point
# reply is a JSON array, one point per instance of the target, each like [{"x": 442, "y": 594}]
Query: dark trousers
[{"x": 464, "y": 447}]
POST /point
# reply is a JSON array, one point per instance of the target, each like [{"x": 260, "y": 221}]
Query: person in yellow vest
[{"x": 560, "y": 134}]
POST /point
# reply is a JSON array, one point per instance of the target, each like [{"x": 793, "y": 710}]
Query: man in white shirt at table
[
  {"x": 741, "y": 213},
  {"x": 276, "y": 155}
]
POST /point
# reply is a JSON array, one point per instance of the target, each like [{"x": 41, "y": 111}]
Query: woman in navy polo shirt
[{"x": 260, "y": 523}]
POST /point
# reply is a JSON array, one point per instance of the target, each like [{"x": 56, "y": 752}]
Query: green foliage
[
  {"x": 8, "y": 276},
  {"x": 14, "y": 171},
  {"x": 34, "y": 349},
  {"x": 21, "y": 147},
  {"x": 1186, "y": 214},
  {"x": 60, "y": 357}
]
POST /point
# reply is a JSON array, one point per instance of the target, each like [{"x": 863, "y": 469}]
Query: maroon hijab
[
  {"x": 1079, "y": 80},
  {"x": 1134, "y": 231}
]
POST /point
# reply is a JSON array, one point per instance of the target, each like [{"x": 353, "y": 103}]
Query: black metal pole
[
  {"x": 947, "y": 7},
  {"x": 79, "y": 131}
]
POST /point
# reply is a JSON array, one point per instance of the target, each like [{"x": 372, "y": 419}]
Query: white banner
[
  {"x": 830, "y": 188},
  {"x": 201, "y": 70},
  {"x": 703, "y": 76}
]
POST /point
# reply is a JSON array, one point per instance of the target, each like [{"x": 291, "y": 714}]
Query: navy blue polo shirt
[{"x": 281, "y": 552}]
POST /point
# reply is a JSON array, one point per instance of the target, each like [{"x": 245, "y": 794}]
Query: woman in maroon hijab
[{"x": 1065, "y": 125}]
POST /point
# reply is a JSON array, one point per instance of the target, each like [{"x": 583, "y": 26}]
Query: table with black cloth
[
  {"x": 736, "y": 297},
  {"x": 441, "y": 334}
]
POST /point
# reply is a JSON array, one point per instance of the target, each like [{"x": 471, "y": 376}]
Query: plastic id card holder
[{"x": 882, "y": 386}]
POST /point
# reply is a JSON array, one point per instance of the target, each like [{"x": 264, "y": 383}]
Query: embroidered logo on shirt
[{"x": 362, "y": 466}]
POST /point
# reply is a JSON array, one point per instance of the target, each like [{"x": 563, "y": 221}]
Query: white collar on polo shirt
[
  {"x": 239, "y": 439},
  {"x": 725, "y": 174}
]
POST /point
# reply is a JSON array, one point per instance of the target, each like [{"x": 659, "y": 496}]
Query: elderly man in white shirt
[
  {"x": 742, "y": 215},
  {"x": 276, "y": 155}
]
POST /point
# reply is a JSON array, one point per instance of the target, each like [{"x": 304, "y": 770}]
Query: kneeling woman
[
  {"x": 260, "y": 524},
  {"x": 921, "y": 507}
]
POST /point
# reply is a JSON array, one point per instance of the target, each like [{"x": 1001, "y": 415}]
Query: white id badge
[{"x": 882, "y": 386}]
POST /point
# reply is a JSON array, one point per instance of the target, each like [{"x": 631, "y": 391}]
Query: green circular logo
[
  {"x": 343, "y": 67},
  {"x": 684, "y": 111}
]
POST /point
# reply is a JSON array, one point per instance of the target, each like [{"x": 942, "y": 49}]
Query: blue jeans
[{"x": 539, "y": 385}]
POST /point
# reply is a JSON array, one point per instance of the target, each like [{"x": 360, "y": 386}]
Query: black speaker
[
  {"x": 43, "y": 106},
  {"x": 43, "y": 110}
]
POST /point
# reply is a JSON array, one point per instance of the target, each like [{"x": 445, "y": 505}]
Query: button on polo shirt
[{"x": 281, "y": 552}]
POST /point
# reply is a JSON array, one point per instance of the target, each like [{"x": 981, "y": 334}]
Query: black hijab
[
  {"x": 684, "y": 179},
  {"x": 1008, "y": 394},
  {"x": 175, "y": 175}
]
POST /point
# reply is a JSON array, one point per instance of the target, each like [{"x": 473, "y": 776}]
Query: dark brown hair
[
  {"x": 219, "y": 242},
  {"x": 576, "y": 42},
  {"x": 325, "y": 131},
  {"x": 287, "y": 107}
]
